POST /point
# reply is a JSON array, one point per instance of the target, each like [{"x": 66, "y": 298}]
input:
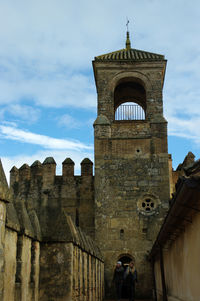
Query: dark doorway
[{"x": 125, "y": 259}]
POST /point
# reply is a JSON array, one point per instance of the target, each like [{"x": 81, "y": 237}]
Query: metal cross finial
[
  {"x": 128, "y": 43},
  {"x": 127, "y": 23}
]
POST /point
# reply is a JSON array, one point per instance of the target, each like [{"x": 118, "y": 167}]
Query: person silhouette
[
  {"x": 130, "y": 276},
  {"x": 118, "y": 279}
]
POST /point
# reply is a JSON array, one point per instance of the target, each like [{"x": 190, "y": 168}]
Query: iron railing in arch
[{"x": 129, "y": 112}]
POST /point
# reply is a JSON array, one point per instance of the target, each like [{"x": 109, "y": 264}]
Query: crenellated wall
[
  {"x": 41, "y": 188},
  {"x": 60, "y": 262},
  {"x": 20, "y": 248}
]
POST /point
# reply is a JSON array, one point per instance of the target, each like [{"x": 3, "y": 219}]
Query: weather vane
[{"x": 127, "y": 23}]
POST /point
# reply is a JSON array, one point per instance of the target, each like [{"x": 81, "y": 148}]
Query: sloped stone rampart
[{"x": 70, "y": 266}]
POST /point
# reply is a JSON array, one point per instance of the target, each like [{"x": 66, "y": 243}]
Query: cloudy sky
[{"x": 47, "y": 89}]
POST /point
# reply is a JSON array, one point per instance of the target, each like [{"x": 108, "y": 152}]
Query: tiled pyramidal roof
[{"x": 130, "y": 54}]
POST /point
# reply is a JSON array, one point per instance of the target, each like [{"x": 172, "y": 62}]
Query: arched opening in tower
[
  {"x": 125, "y": 259},
  {"x": 129, "y": 100},
  {"x": 129, "y": 111}
]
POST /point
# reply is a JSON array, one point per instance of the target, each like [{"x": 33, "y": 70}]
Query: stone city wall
[
  {"x": 20, "y": 265},
  {"x": 44, "y": 191},
  {"x": 70, "y": 273},
  {"x": 20, "y": 249},
  {"x": 63, "y": 265},
  {"x": 71, "y": 266}
]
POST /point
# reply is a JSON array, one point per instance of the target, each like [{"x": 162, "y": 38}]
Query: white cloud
[
  {"x": 57, "y": 91},
  {"x": 188, "y": 129},
  {"x": 47, "y": 47},
  {"x": 26, "y": 113},
  {"x": 12, "y": 133},
  {"x": 10, "y": 123},
  {"x": 68, "y": 121}
]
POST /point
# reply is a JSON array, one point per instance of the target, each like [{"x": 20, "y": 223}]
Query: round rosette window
[{"x": 148, "y": 204}]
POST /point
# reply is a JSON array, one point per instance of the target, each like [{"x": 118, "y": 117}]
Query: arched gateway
[
  {"x": 125, "y": 259},
  {"x": 131, "y": 159}
]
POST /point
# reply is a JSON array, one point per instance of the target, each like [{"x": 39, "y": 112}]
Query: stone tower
[{"x": 131, "y": 159}]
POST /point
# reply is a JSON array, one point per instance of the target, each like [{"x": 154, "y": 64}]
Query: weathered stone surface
[
  {"x": 35, "y": 225},
  {"x": 47, "y": 194},
  {"x": 12, "y": 220},
  {"x": 4, "y": 191},
  {"x": 131, "y": 166},
  {"x": 24, "y": 220},
  {"x": 66, "y": 273},
  {"x": 65, "y": 249},
  {"x": 10, "y": 265},
  {"x": 49, "y": 160}
]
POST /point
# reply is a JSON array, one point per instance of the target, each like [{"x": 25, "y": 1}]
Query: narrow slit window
[{"x": 121, "y": 233}]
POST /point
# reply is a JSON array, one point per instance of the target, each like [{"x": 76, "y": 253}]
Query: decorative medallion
[{"x": 148, "y": 204}]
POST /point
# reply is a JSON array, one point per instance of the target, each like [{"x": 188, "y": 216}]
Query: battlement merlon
[
  {"x": 68, "y": 168},
  {"x": 86, "y": 167},
  {"x": 46, "y": 171}
]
